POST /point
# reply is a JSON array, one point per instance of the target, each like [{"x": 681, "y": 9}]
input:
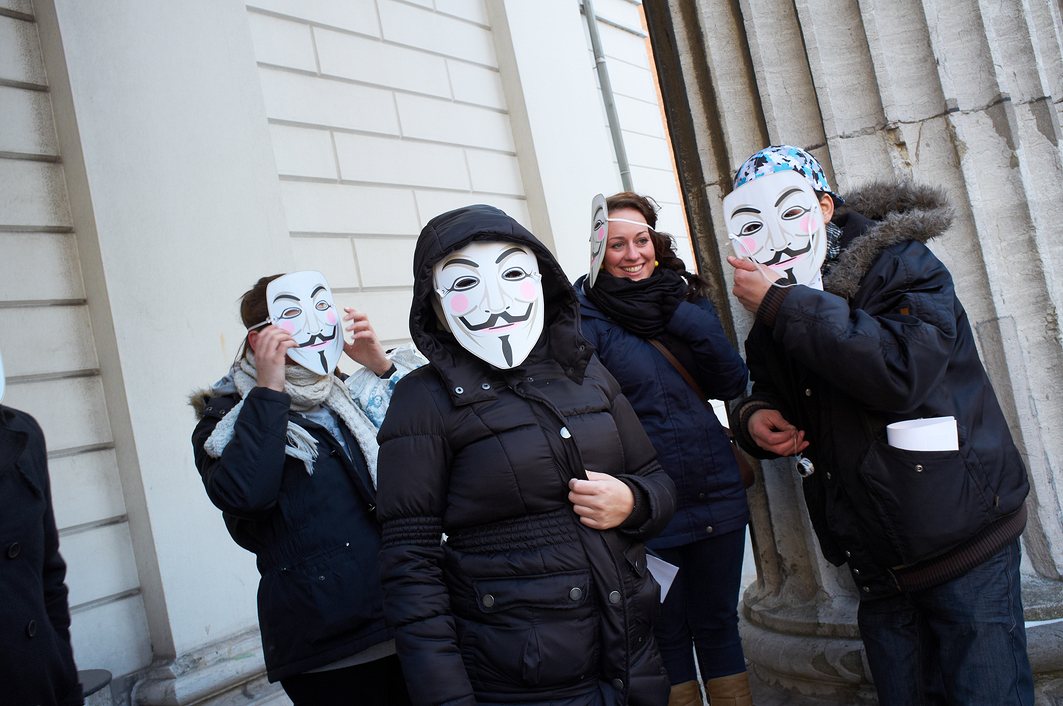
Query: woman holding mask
[
  {"x": 659, "y": 335},
  {"x": 286, "y": 448},
  {"x": 517, "y": 444}
]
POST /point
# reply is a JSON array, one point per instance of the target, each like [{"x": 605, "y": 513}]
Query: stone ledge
[{"x": 224, "y": 673}]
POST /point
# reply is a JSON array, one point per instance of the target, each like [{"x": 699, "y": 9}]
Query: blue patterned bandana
[{"x": 778, "y": 158}]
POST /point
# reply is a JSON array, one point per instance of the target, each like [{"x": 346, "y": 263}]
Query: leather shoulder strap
[{"x": 678, "y": 366}]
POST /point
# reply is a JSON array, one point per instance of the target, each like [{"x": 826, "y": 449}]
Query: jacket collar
[
  {"x": 899, "y": 212},
  {"x": 12, "y": 441}
]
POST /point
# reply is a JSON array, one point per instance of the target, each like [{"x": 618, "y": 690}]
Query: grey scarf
[{"x": 307, "y": 391}]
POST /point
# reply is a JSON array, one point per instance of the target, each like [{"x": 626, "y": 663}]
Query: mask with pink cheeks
[
  {"x": 490, "y": 297},
  {"x": 776, "y": 220},
  {"x": 301, "y": 304}
]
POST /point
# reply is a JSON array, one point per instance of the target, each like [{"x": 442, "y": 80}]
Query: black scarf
[{"x": 643, "y": 307}]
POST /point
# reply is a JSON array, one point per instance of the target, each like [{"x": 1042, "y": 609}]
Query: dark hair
[
  {"x": 663, "y": 243},
  {"x": 253, "y": 306}
]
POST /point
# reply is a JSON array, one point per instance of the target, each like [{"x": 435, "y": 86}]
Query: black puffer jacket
[
  {"x": 522, "y": 603},
  {"x": 887, "y": 341},
  {"x": 36, "y": 662}
]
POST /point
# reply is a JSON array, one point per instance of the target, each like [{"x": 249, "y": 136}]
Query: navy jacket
[
  {"x": 690, "y": 442},
  {"x": 887, "y": 341},
  {"x": 316, "y": 537},
  {"x": 36, "y": 661},
  {"x": 521, "y": 603}
]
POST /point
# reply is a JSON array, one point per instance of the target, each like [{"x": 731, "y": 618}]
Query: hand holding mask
[{"x": 776, "y": 221}]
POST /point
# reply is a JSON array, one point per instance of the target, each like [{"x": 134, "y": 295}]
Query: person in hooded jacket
[
  {"x": 868, "y": 333},
  {"x": 36, "y": 659},
  {"x": 518, "y": 445},
  {"x": 643, "y": 298},
  {"x": 288, "y": 453}
]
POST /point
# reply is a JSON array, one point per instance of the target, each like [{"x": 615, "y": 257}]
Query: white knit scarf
[{"x": 307, "y": 390}]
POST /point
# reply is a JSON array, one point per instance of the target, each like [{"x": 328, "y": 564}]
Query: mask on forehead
[
  {"x": 776, "y": 220},
  {"x": 599, "y": 234},
  {"x": 490, "y": 296},
  {"x": 301, "y": 304}
]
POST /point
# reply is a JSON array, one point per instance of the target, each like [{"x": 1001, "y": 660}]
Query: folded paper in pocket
[
  {"x": 663, "y": 572},
  {"x": 930, "y": 434}
]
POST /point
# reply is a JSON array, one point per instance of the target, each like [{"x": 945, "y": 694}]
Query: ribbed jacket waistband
[
  {"x": 959, "y": 560},
  {"x": 541, "y": 530}
]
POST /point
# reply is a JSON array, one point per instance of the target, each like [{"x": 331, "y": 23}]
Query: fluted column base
[{"x": 807, "y": 652}]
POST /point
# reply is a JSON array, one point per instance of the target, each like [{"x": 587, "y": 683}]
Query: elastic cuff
[
  {"x": 746, "y": 410},
  {"x": 640, "y": 512},
  {"x": 770, "y": 304},
  {"x": 388, "y": 373}
]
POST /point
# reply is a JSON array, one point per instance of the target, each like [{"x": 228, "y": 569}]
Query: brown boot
[
  {"x": 732, "y": 690},
  {"x": 686, "y": 694}
]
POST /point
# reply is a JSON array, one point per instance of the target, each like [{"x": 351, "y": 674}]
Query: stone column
[
  {"x": 166, "y": 151},
  {"x": 964, "y": 95}
]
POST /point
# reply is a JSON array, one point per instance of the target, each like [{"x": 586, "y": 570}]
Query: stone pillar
[
  {"x": 166, "y": 151},
  {"x": 964, "y": 95}
]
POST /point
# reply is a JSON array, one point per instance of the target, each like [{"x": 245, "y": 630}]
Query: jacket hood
[
  {"x": 199, "y": 398},
  {"x": 903, "y": 211},
  {"x": 561, "y": 340}
]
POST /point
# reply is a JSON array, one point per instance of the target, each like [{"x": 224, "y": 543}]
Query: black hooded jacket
[
  {"x": 888, "y": 341},
  {"x": 521, "y": 603}
]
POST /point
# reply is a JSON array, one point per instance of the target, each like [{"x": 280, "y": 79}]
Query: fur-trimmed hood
[
  {"x": 902, "y": 211},
  {"x": 199, "y": 398}
]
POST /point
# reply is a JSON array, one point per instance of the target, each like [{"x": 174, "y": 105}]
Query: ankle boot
[
  {"x": 686, "y": 694},
  {"x": 731, "y": 690}
]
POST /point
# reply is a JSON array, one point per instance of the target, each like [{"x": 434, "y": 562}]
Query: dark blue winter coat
[
  {"x": 690, "y": 441},
  {"x": 316, "y": 537},
  {"x": 36, "y": 662}
]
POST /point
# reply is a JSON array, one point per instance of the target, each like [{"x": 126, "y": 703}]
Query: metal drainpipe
[{"x": 607, "y": 95}]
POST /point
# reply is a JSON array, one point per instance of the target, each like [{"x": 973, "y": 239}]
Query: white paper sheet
[
  {"x": 663, "y": 572},
  {"x": 930, "y": 434}
]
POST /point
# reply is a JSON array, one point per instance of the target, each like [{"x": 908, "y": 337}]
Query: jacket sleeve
[
  {"x": 413, "y": 476},
  {"x": 763, "y": 396},
  {"x": 246, "y": 480},
  {"x": 652, "y": 487},
  {"x": 719, "y": 369},
  {"x": 53, "y": 578},
  {"x": 58, "y": 609},
  {"x": 894, "y": 350},
  {"x": 372, "y": 393}
]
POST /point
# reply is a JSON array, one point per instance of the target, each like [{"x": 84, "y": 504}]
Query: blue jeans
[
  {"x": 701, "y": 610},
  {"x": 963, "y": 642}
]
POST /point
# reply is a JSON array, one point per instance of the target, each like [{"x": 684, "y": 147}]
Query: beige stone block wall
[{"x": 51, "y": 359}]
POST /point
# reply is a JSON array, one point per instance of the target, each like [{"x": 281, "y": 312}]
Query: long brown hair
[{"x": 663, "y": 243}]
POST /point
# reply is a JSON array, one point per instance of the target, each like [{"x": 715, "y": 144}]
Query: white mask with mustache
[
  {"x": 301, "y": 304},
  {"x": 490, "y": 297},
  {"x": 776, "y": 220}
]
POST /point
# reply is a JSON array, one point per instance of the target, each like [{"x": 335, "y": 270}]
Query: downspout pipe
[{"x": 607, "y": 95}]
